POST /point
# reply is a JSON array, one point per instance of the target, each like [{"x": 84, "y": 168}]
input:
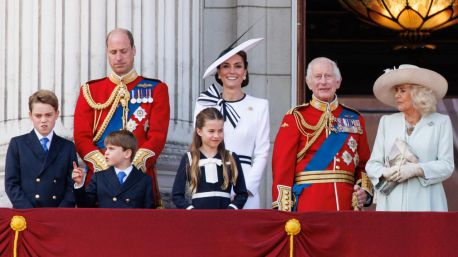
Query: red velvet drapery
[{"x": 108, "y": 232}]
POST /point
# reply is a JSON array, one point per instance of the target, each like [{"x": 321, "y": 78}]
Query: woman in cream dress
[{"x": 414, "y": 92}]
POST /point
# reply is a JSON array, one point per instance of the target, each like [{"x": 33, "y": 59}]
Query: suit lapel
[
  {"x": 34, "y": 144},
  {"x": 131, "y": 180},
  {"x": 112, "y": 179}
]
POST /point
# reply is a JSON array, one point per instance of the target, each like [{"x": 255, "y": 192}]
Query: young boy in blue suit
[
  {"x": 39, "y": 164},
  {"x": 120, "y": 186}
]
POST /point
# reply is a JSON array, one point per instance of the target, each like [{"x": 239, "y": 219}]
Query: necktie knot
[
  {"x": 44, "y": 143},
  {"x": 121, "y": 176}
]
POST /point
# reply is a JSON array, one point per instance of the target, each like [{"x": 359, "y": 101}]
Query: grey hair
[
  {"x": 423, "y": 99},
  {"x": 323, "y": 59}
]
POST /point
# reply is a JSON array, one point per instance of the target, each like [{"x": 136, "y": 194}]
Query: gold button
[
  {"x": 55, "y": 181},
  {"x": 37, "y": 196},
  {"x": 54, "y": 197},
  {"x": 127, "y": 200},
  {"x": 37, "y": 180},
  {"x": 337, "y": 167},
  {"x": 115, "y": 199}
]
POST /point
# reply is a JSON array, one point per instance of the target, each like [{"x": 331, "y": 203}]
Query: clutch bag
[{"x": 400, "y": 154}]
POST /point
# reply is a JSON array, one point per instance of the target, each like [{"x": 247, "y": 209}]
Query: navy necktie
[
  {"x": 44, "y": 141},
  {"x": 121, "y": 176}
]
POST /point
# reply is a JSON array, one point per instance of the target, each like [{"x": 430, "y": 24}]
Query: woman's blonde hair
[
  {"x": 423, "y": 99},
  {"x": 193, "y": 170}
]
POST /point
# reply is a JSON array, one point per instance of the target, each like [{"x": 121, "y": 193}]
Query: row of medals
[{"x": 141, "y": 96}]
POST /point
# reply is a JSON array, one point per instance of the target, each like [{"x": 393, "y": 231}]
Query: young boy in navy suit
[
  {"x": 39, "y": 164},
  {"x": 120, "y": 186}
]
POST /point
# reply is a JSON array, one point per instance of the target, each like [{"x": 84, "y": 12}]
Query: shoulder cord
[
  {"x": 324, "y": 122},
  {"x": 119, "y": 94}
]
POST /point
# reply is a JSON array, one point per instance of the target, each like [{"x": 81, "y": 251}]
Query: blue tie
[
  {"x": 44, "y": 141},
  {"x": 121, "y": 176}
]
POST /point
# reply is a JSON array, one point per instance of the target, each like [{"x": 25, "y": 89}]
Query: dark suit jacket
[
  {"x": 35, "y": 179},
  {"x": 105, "y": 191}
]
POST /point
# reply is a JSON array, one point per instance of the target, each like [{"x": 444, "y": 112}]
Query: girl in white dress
[{"x": 246, "y": 118}]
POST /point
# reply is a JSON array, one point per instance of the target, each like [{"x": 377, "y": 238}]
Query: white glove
[
  {"x": 389, "y": 172},
  {"x": 409, "y": 170}
]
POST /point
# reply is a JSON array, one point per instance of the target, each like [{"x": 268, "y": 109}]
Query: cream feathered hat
[{"x": 408, "y": 74}]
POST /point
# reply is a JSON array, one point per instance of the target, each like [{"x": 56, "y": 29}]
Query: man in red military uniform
[
  {"x": 321, "y": 150},
  {"x": 123, "y": 100}
]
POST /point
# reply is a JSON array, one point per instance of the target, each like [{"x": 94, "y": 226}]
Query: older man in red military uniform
[
  {"x": 123, "y": 100},
  {"x": 321, "y": 150}
]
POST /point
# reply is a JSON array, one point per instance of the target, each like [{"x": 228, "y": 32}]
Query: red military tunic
[
  {"x": 328, "y": 189},
  {"x": 147, "y": 120}
]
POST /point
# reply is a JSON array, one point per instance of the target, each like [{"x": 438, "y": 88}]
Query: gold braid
[
  {"x": 324, "y": 122},
  {"x": 113, "y": 100},
  {"x": 97, "y": 106}
]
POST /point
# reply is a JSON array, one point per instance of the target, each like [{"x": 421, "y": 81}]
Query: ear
[
  {"x": 338, "y": 83},
  {"x": 134, "y": 50},
  {"x": 30, "y": 115},
  {"x": 308, "y": 83},
  {"x": 127, "y": 153},
  {"x": 199, "y": 131}
]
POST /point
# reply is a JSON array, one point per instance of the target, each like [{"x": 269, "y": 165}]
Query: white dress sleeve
[
  {"x": 261, "y": 149},
  {"x": 375, "y": 165}
]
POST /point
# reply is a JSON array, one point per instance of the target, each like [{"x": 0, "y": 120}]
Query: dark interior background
[{"x": 362, "y": 51}]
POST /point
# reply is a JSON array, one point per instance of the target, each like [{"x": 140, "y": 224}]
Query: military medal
[
  {"x": 352, "y": 144},
  {"x": 131, "y": 125},
  {"x": 150, "y": 99},
  {"x": 140, "y": 113},
  {"x": 139, "y": 98},
  {"x": 346, "y": 157},
  {"x": 144, "y": 99},
  {"x": 133, "y": 100}
]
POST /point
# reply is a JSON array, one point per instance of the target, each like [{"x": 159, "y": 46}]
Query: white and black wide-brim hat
[
  {"x": 384, "y": 86},
  {"x": 245, "y": 46}
]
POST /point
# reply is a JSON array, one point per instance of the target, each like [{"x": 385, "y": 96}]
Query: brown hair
[
  {"x": 45, "y": 97},
  {"x": 226, "y": 156},
  {"x": 245, "y": 63},
  {"x": 125, "y": 31},
  {"x": 124, "y": 139}
]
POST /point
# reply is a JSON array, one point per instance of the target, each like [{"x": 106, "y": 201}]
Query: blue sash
[
  {"x": 116, "y": 121},
  {"x": 325, "y": 154}
]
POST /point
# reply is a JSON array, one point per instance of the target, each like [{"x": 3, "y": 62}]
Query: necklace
[{"x": 409, "y": 128}]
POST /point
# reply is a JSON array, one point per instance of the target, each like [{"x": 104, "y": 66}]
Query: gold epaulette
[
  {"x": 297, "y": 107},
  {"x": 350, "y": 108}
]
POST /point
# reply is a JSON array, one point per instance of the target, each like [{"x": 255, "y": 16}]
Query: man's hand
[{"x": 360, "y": 195}]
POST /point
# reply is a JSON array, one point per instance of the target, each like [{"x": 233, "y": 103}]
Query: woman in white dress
[
  {"x": 413, "y": 150},
  {"x": 246, "y": 118}
]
